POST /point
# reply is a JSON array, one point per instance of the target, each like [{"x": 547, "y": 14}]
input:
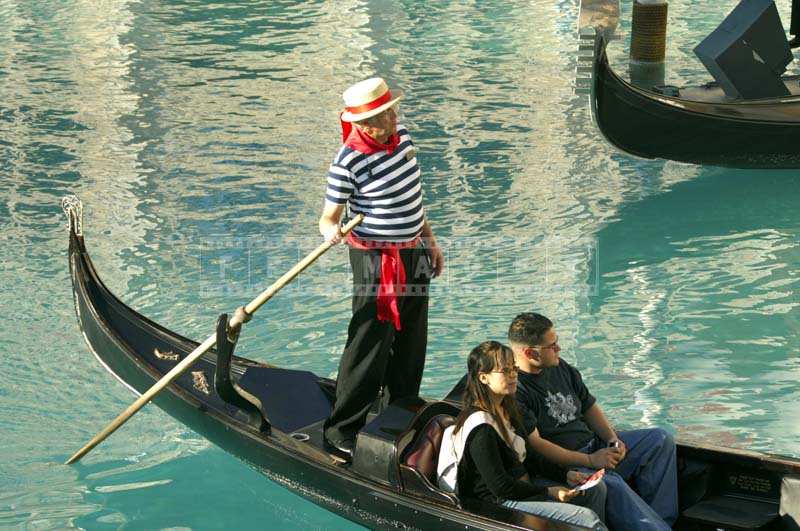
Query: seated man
[{"x": 567, "y": 426}]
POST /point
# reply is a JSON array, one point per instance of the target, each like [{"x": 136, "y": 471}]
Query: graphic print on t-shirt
[{"x": 561, "y": 408}]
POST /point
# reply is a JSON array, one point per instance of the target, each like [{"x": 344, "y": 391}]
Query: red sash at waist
[{"x": 393, "y": 274}]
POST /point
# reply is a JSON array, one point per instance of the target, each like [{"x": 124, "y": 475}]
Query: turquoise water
[{"x": 198, "y": 136}]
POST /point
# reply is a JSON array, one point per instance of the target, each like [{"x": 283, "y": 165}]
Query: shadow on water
[{"x": 715, "y": 205}]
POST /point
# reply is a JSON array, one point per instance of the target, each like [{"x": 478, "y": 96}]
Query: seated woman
[{"x": 482, "y": 457}]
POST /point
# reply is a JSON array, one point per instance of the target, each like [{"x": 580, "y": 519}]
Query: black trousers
[
  {"x": 376, "y": 356},
  {"x": 794, "y": 29}
]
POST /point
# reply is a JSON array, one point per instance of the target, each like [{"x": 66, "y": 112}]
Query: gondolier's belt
[{"x": 393, "y": 274}]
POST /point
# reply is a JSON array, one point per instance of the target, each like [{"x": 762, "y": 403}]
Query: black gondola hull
[
  {"x": 757, "y": 135},
  {"x": 139, "y": 352}
]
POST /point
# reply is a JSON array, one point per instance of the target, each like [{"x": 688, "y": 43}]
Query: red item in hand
[{"x": 592, "y": 480}]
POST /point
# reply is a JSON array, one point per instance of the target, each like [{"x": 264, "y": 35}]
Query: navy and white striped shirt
[{"x": 385, "y": 188}]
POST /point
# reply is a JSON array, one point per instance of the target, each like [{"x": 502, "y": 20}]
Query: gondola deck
[
  {"x": 381, "y": 488},
  {"x": 713, "y": 93}
]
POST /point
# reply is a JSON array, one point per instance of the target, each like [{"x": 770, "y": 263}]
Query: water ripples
[{"x": 198, "y": 135}]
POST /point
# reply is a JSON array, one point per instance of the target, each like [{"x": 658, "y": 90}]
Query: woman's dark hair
[{"x": 486, "y": 357}]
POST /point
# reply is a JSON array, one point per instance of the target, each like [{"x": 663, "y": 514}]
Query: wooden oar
[{"x": 235, "y": 322}]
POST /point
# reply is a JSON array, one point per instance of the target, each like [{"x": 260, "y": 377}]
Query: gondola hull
[
  {"x": 139, "y": 352},
  {"x": 763, "y": 134}
]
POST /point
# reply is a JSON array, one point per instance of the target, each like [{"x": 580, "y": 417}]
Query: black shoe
[
  {"x": 343, "y": 447},
  {"x": 795, "y": 42}
]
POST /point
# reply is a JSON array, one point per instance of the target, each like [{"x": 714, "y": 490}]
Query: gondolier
[{"x": 393, "y": 255}]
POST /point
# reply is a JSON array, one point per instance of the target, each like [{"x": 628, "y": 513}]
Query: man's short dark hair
[{"x": 529, "y": 329}]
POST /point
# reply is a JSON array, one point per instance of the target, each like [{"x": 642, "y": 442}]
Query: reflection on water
[
  {"x": 198, "y": 136},
  {"x": 712, "y": 289}
]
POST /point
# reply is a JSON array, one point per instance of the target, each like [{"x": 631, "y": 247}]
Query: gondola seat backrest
[{"x": 418, "y": 467}]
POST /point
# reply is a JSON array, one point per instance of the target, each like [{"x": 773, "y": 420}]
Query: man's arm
[
  {"x": 602, "y": 458},
  {"x": 329, "y": 222},
  {"x": 597, "y": 421},
  {"x": 437, "y": 257},
  {"x": 556, "y": 454}
]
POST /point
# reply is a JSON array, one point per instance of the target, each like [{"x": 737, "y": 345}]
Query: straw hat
[{"x": 368, "y": 98}]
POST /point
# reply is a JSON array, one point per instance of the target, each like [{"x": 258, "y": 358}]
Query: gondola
[
  {"x": 272, "y": 418},
  {"x": 699, "y": 125}
]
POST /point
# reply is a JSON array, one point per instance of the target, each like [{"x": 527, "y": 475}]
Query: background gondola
[{"x": 700, "y": 125}]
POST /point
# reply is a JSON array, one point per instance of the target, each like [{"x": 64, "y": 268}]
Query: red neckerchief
[
  {"x": 355, "y": 138},
  {"x": 393, "y": 275}
]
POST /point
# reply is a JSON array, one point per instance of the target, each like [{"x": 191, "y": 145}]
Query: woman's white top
[{"x": 453, "y": 446}]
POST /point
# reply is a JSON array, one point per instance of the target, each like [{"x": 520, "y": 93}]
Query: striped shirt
[{"x": 385, "y": 188}]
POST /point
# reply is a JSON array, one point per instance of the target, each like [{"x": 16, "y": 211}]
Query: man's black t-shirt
[{"x": 554, "y": 401}]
